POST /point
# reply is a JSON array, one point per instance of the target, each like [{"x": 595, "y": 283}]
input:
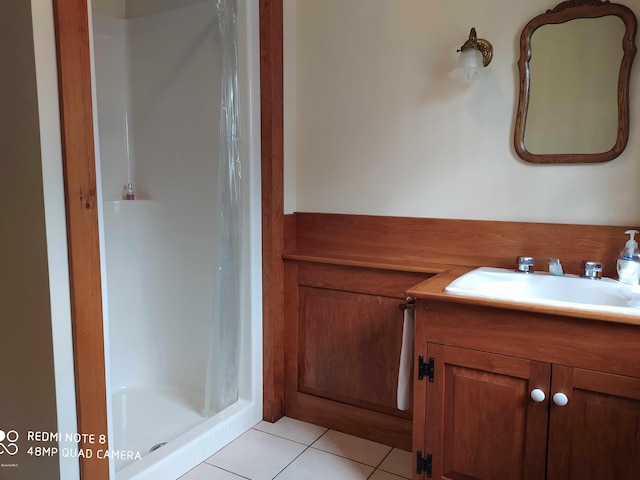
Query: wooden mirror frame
[{"x": 563, "y": 12}]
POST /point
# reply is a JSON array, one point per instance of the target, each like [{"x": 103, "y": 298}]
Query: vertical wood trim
[
  {"x": 272, "y": 137},
  {"x": 419, "y": 406},
  {"x": 74, "y": 78},
  {"x": 291, "y": 359}
]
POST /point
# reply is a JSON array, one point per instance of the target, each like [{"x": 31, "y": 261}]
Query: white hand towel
[{"x": 406, "y": 360}]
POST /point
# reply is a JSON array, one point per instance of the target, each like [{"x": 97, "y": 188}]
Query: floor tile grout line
[
  {"x": 287, "y": 465},
  {"x": 307, "y": 447},
  {"x": 266, "y": 433},
  {"x": 316, "y": 440},
  {"x": 387, "y": 471},
  {"x": 287, "y": 438},
  {"x": 327, "y": 430},
  {"x": 215, "y": 467},
  {"x": 229, "y": 471},
  {"x": 393, "y": 473},
  {"x": 346, "y": 458},
  {"x": 384, "y": 458},
  {"x": 374, "y": 466}
]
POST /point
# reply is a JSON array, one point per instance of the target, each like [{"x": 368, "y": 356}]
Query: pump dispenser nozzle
[{"x": 631, "y": 245}]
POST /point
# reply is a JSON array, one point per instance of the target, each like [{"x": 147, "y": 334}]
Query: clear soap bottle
[{"x": 628, "y": 265}]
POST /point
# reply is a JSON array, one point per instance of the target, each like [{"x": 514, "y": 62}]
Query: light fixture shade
[
  {"x": 470, "y": 66},
  {"x": 476, "y": 54}
]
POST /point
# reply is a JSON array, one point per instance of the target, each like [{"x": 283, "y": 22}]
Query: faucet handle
[
  {"x": 592, "y": 270},
  {"x": 525, "y": 264}
]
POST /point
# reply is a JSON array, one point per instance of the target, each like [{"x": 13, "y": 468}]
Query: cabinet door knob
[
  {"x": 560, "y": 399},
  {"x": 537, "y": 395}
]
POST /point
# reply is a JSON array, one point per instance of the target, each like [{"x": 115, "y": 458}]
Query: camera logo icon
[{"x": 8, "y": 443}]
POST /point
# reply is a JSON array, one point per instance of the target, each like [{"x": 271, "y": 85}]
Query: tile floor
[{"x": 293, "y": 450}]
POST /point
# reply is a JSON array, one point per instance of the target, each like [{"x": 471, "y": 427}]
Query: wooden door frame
[
  {"x": 74, "y": 85},
  {"x": 71, "y": 18},
  {"x": 272, "y": 139}
]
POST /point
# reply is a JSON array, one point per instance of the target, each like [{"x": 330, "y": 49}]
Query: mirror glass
[{"x": 574, "y": 77}]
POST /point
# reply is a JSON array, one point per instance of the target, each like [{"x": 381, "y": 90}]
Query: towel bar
[{"x": 408, "y": 305}]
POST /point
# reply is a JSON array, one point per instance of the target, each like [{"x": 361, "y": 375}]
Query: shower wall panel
[
  {"x": 130, "y": 227},
  {"x": 112, "y": 93},
  {"x": 135, "y": 281},
  {"x": 160, "y": 246}
]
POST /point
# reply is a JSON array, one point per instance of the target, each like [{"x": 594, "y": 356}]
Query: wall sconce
[{"x": 476, "y": 54}]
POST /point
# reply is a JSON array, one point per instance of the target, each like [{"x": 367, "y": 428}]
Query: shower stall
[{"x": 178, "y": 170}]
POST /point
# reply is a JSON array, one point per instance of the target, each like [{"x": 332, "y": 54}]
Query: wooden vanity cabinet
[
  {"x": 598, "y": 437},
  {"x": 477, "y": 418},
  {"x": 343, "y": 336}
]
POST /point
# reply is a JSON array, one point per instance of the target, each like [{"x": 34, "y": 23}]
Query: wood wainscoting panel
[
  {"x": 415, "y": 242},
  {"x": 343, "y": 337},
  {"x": 350, "y": 348}
]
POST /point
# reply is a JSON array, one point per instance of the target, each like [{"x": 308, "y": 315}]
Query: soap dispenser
[{"x": 628, "y": 264}]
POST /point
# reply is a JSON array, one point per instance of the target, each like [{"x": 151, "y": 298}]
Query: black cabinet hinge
[
  {"x": 424, "y": 464},
  {"x": 425, "y": 369}
]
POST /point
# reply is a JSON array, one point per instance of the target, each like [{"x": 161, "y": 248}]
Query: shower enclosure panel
[
  {"x": 174, "y": 62},
  {"x": 158, "y": 82}
]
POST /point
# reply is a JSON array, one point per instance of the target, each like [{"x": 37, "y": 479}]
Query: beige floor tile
[
  {"x": 353, "y": 448},
  {"x": 398, "y": 462},
  {"x": 318, "y": 465},
  {"x": 293, "y": 429},
  {"x": 380, "y": 475},
  {"x": 205, "y": 471},
  {"x": 257, "y": 455}
]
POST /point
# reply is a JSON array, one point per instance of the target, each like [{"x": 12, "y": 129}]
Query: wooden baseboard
[{"x": 377, "y": 427}]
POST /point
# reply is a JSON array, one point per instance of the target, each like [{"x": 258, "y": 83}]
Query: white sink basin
[{"x": 567, "y": 291}]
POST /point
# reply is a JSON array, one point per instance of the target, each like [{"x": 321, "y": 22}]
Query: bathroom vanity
[
  {"x": 346, "y": 275},
  {"x": 520, "y": 392},
  {"x": 502, "y": 390}
]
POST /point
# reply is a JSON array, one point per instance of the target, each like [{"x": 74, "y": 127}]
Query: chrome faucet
[
  {"x": 555, "y": 267},
  {"x": 592, "y": 270},
  {"x": 525, "y": 264}
]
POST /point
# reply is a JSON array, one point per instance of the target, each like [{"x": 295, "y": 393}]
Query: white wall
[
  {"x": 36, "y": 364},
  {"x": 381, "y": 129},
  {"x": 163, "y": 70},
  {"x": 55, "y": 226}
]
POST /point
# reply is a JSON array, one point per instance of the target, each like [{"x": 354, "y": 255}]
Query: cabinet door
[
  {"x": 480, "y": 420},
  {"x": 596, "y": 435},
  {"x": 350, "y": 348}
]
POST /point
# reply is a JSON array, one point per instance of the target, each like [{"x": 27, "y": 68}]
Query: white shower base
[
  {"x": 143, "y": 418},
  {"x": 146, "y": 417}
]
